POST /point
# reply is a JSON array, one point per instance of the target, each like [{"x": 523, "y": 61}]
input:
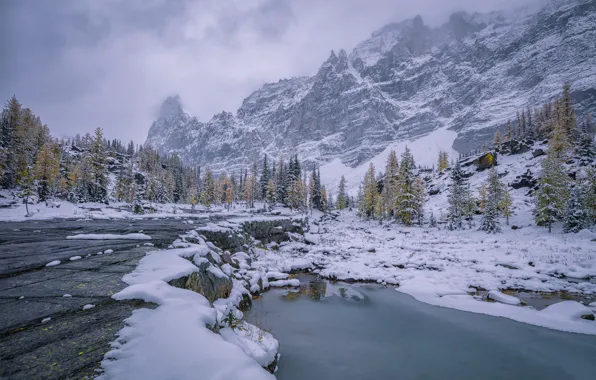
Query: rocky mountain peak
[{"x": 171, "y": 107}]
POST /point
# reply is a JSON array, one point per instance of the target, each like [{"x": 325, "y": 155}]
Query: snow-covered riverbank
[{"x": 446, "y": 268}]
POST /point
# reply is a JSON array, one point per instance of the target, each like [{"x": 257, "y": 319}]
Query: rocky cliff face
[{"x": 468, "y": 75}]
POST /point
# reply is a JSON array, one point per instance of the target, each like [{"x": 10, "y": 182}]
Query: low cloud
[{"x": 86, "y": 64}]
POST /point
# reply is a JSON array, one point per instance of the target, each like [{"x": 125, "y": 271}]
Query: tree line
[
  {"x": 563, "y": 194},
  {"x": 91, "y": 168}
]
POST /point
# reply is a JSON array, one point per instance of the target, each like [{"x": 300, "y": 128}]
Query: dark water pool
[{"x": 371, "y": 332}]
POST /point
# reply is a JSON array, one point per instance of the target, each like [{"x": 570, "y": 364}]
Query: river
[{"x": 339, "y": 331}]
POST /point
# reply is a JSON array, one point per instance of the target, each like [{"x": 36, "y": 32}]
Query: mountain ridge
[{"x": 407, "y": 80}]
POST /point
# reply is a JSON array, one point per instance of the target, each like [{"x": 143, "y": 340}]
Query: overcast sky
[{"x": 80, "y": 64}]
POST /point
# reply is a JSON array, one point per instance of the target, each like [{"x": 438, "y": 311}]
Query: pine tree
[
  {"x": 576, "y": 216},
  {"x": 482, "y": 197},
  {"x": 12, "y": 122},
  {"x": 490, "y": 218},
  {"x": 566, "y": 115},
  {"x": 208, "y": 194},
  {"x": 342, "y": 196},
  {"x": 419, "y": 199},
  {"x": 551, "y": 196},
  {"x": 506, "y": 204},
  {"x": 249, "y": 191},
  {"x": 590, "y": 195},
  {"x": 497, "y": 140},
  {"x": 139, "y": 192},
  {"x": 229, "y": 193},
  {"x": 271, "y": 193},
  {"x": 530, "y": 127},
  {"x": 98, "y": 191},
  {"x": 508, "y": 132},
  {"x": 265, "y": 176},
  {"x": 406, "y": 207},
  {"x": 281, "y": 183},
  {"x": 443, "y": 161},
  {"x": 27, "y": 183},
  {"x": 47, "y": 170},
  {"x": 329, "y": 205},
  {"x": 559, "y": 143},
  {"x": 370, "y": 194},
  {"x": 390, "y": 185},
  {"x": 432, "y": 222},
  {"x": 323, "y": 199},
  {"x": 457, "y": 198},
  {"x": 316, "y": 197},
  {"x": 586, "y": 149}
]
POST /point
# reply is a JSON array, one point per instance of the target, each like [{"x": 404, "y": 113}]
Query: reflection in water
[{"x": 318, "y": 289}]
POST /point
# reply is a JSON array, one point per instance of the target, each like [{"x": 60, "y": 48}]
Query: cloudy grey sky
[{"x": 80, "y": 64}]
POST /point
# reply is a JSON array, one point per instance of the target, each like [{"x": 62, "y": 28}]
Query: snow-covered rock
[
  {"x": 496, "y": 295},
  {"x": 569, "y": 309}
]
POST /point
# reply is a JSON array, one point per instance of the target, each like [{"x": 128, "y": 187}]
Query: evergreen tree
[
  {"x": 559, "y": 143},
  {"x": 432, "y": 222},
  {"x": 208, "y": 195},
  {"x": 281, "y": 185},
  {"x": 590, "y": 195},
  {"x": 47, "y": 170},
  {"x": 11, "y": 123},
  {"x": 27, "y": 183},
  {"x": 265, "y": 176},
  {"x": 586, "y": 149},
  {"x": 508, "y": 132},
  {"x": 229, "y": 194},
  {"x": 490, "y": 218},
  {"x": 369, "y": 195},
  {"x": 576, "y": 216},
  {"x": 316, "y": 191},
  {"x": 497, "y": 140},
  {"x": 566, "y": 115},
  {"x": 342, "y": 196},
  {"x": 506, "y": 204},
  {"x": 551, "y": 196},
  {"x": 419, "y": 199},
  {"x": 530, "y": 127},
  {"x": 139, "y": 193},
  {"x": 98, "y": 191},
  {"x": 457, "y": 198},
  {"x": 406, "y": 207},
  {"x": 390, "y": 185},
  {"x": 323, "y": 199},
  {"x": 443, "y": 161},
  {"x": 482, "y": 197},
  {"x": 271, "y": 193}
]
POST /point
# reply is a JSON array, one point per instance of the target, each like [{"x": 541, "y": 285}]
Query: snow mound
[
  {"x": 281, "y": 283},
  {"x": 503, "y": 298},
  {"x": 567, "y": 309}
]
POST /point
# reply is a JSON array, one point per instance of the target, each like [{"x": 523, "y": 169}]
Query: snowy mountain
[{"x": 448, "y": 87}]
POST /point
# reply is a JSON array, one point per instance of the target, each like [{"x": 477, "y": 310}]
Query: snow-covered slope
[{"x": 465, "y": 78}]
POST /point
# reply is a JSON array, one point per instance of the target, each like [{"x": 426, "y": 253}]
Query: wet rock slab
[{"x": 72, "y": 342}]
